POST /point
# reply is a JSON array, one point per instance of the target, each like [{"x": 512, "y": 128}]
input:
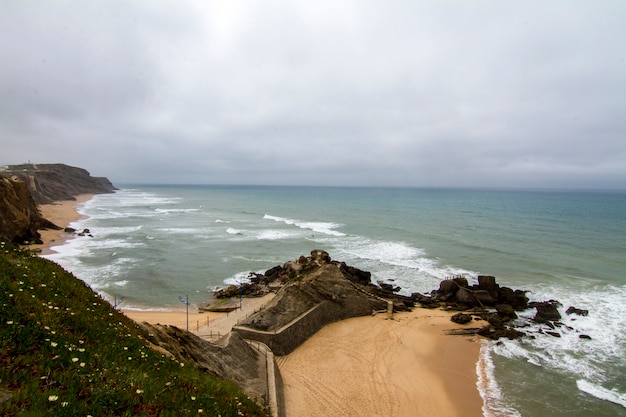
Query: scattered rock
[
  {"x": 547, "y": 311},
  {"x": 461, "y": 318},
  {"x": 578, "y": 311}
]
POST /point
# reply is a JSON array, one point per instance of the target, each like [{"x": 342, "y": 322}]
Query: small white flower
[
  {"x": 10, "y": 322},
  {"x": 193, "y": 398},
  {"x": 64, "y": 404},
  {"x": 54, "y": 344},
  {"x": 74, "y": 359},
  {"x": 82, "y": 364},
  {"x": 53, "y": 397},
  {"x": 139, "y": 391}
]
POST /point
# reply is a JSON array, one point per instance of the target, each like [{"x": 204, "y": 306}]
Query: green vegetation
[{"x": 64, "y": 351}]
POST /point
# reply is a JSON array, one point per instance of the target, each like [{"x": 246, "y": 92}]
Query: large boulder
[{"x": 547, "y": 311}]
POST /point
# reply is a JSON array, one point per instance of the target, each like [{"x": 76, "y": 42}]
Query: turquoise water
[{"x": 152, "y": 244}]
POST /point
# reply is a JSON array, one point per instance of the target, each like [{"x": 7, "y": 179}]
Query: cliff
[
  {"x": 19, "y": 217},
  {"x": 56, "y": 182},
  {"x": 24, "y": 187}
]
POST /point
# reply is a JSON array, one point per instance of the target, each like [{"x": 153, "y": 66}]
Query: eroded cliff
[
  {"x": 19, "y": 217},
  {"x": 56, "y": 182}
]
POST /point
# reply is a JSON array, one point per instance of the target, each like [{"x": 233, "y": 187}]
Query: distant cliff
[
  {"x": 56, "y": 182},
  {"x": 24, "y": 187}
]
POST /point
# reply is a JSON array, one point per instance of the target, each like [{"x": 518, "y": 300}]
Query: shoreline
[
  {"x": 61, "y": 213},
  {"x": 404, "y": 367}
]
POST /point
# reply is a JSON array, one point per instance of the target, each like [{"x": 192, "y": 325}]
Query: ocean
[{"x": 152, "y": 245}]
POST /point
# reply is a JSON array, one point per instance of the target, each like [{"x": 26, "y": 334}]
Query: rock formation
[
  {"x": 20, "y": 219},
  {"x": 48, "y": 183},
  {"x": 23, "y": 187},
  {"x": 230, "y": 358}
]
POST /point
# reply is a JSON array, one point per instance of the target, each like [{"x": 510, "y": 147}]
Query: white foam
[
  {"x": 602, "y": 393},
  {"x": 272, "y": 234},
  {"x": 494, "y": 403},
  {"x": 326, "y": 228},
  {"x": 237, "y": 279},
  {"x": 175, "y": 210},
  {"x": 232, "y": 231}
]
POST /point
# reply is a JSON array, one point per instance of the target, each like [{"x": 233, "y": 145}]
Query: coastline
[
  {"x": 404, "y": 367},
  {"x": 61, "y": 213}
]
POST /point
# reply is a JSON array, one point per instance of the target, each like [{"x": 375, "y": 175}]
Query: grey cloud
[{"x": 524, "y": 94}]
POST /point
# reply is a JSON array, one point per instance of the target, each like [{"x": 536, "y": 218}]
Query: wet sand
[{"x": 61, "y": 213}]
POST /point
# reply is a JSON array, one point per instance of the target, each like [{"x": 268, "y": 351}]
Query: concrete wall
[{"x": 289, "y": 337}]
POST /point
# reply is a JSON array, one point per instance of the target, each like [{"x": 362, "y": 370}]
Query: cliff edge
[
  {"x": 24, "y": 187},
  {"x": 48, "y": 183},
  {"x": 19, "y": 217}
]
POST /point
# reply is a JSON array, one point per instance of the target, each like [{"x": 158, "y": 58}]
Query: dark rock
[
  {"x": 464, "y": 331},
  {"x": 69, "y": 230},
  {"x": 355, "y": 274},
  {"x": 494, "y": 333},
  {"x": 488, "y": 283},
  {"x": 547, "y": 311},
  {"x": 461, "y": 318},
  {"x": 273, "y": 273},
  {"x": 584, "y": 336},
  {"x": 517, "y": 299},
  {"x": 447, "y": 287},
  {"x": 554, "y": 334},
  {"x": 578, "y": 311},
  {"x": 506, "y": 312}
]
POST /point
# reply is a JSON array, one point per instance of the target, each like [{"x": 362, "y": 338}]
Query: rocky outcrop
[
  {"x": 23, "y": 187},
  {"x": 20, "y": 219},
  {"x": 230, "y": 358},
  {"x": 57, "y": 182}
]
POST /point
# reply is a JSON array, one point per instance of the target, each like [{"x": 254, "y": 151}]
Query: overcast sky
[{"x": 380, "y": 93}]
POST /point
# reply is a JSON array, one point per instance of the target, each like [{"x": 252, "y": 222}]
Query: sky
[{"x": 520, "y": 94}]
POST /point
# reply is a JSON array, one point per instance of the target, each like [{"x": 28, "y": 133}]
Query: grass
[{"x": 65, "y": 351}]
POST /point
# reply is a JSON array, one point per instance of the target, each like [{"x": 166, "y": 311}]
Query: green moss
[{"x": 65, "y": 351}]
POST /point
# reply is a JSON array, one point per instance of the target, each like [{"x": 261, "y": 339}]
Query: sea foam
[{"x": 602, "y": 393}]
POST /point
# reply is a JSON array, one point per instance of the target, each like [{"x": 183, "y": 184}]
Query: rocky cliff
[
  {"x": 19, "y": 217},
  {"x": 56, "y": 182},
  {"x": 23, "y": 187}
]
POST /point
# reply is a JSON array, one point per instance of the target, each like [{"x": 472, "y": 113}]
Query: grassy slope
[{"x": 65, "y": 351}]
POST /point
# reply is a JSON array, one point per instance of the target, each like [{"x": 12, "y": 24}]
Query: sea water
[{"x": 155, "y": 244}]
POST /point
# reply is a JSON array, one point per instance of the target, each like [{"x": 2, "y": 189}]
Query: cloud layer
[{"x": 407, "y": 93}]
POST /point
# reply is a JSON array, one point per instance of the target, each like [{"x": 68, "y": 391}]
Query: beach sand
[
  {"x": 366, "y": 366},
  {"x": 61, "y": 213},
  {"x": 371, "y": 366}
]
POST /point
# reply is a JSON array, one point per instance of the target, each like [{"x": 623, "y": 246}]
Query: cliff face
[
  {"x": 56, "y": 182},
  {"x": 19, "y": 216},
  {"x": 24, "y": 187}
]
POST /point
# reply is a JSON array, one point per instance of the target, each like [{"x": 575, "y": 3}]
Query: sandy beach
[
  {"x": 61, "y": 213},
  {"x": 367, "y": 366},
  {"x": 371, "y": 366}
]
